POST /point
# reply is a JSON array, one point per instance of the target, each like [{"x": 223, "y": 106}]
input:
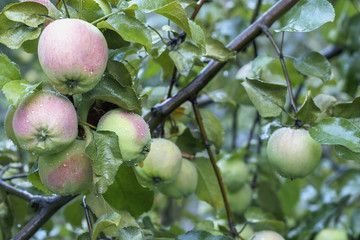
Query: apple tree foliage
[{"x": 216, "y": 78}]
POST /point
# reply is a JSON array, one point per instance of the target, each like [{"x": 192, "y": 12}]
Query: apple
[
  {"x": 331, "y": 234},
  {"x": 293, "y": 153},
  {"x": 162, "y": 164},
  {"x": 73, "y": 54},
  {"x": 67, "y": 172},
  {"x": 45, "y": 122},
  {"x": 266, "y": 235},
  {"x": 184, "y": 184},
  {"x": 234, "y": 172},
  {"x": 9, "y": 130},
  {"x": 240, "y": 200},
  {"x": 53, "y": 12},
  {"x": 132, "y": 131}
]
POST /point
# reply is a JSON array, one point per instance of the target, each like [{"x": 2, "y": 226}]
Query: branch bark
[{"x": 247, "y": 36}]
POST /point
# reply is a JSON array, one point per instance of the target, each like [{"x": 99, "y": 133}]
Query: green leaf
[
  {"x": 217, "y": 50},
  {"x": 130, "y": 233},
  {"x": 289, "y": 195},
  {"x": 348, "y": 109},
  {"x": 268, "y": 98},
  {"x": 16, "y": 90},
  {"x": 8, "y": 70},
  {"x": 91, "y": 10},
  {"x": 185, "y": 57},
  {"x": 103, "y": 149},
  {"x": 200, "y": 235},
  {"x": 346, "y": 154},
  {"x": 263, "y": 220},
  {"x": 74, "y": 213},
  {"x": 109, "y": 222},
  {"x": 208, "y": 188},
  {"x": 126, "y": 193},
  {"x": 164, "y": 60},
  {"x": 197, "y": 35},
  {"x": 110, "y": 90},
  {"x": 213, "y": 128},
  {"x": 314, "y": 64},
  {"x": 30, "y": 13},
  {"x": 337, "y": 131},
  {"x": 129, "y": 28},
  {"x": 306, "y": 16},
  {"x": 119, "y": 72},
  {"x": 260, "y": 62},
  {"x": 34, "y": 178},
  {"x": 308, "y": 113}
]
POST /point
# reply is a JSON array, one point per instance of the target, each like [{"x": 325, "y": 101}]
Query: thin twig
[
  {"x": 266, "y": 31},
  {"x": 87, "y": 215},
  {"x": 66, "y": 9},
  {"x": 251, "y": 134},
  {"x": 235, "y": 126},
  {"x": 174, "y": 78},
  {"x": 200, "y": 123},
  {"x": 87, "y": 124},
  {"x": 197, "y": 9},
  {"x": 161, "y": 38},
  {"x": 105, "y": 17}
]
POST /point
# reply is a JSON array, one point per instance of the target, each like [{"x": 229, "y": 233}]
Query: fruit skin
[
  {"x": 184, "y": 184},
  {"x": 68, "y": 172},
  {"x": 234, "y": 172},
  {"x": 293, "y": 153},
  {"x": 45, "y": 123},
  {"x": 162, "y": 164},
  {"x": 9, "y": 130},
  {"x": 132, "y": 131},
  {"x": 240, "y": 200},
  {"x": 266, "y": 235},
  {"x": 73, "y": 54},
  {"x": 331, "y": 234},
  {"x": 53, "y": 12}
]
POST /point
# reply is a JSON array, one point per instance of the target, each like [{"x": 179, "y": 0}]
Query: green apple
[
  {"x": 45, "y": 122},
  {"x": 234, "y": 173},
  {"x": 132, "y": 131},
  {"x": 68, "y": 172},
  {"x": 240, "y": 200},
  {"x": 293, "y": 153},
  {"x": 162, "y": 164},
  {"x": 266, "y": 235},
  {"x": 184, "y": 184},
  {"x": 331, "y": 234},
  {"x": 73, "y": 54}
]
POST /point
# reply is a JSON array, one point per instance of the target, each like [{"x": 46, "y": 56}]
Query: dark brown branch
[
  {"x": 87, "y": 215},
  {"x": 200, "y": 123},
  {"x": 197, "y": 9},
  {"x": 161, "y": 110}
]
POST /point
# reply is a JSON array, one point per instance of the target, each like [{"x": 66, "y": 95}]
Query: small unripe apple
[
  {"x": 45, "y": 122},
  {"x": 9, "y": 130},
  {"x": 68, "y": 172},
  {"x": 234, "y": 172},
  {"x": 132, "y": 131},
  {"x": 184, "y": 184},
  {"x": 331, "y": 234},
  {"x": 266, "y": 235},
  {"x": 241, "y": 199},
  {"x": 53, "y": 12},
  {"x": 73, "y": 54},
  {"x": 293, "y": 153},
  {"x": 162, "y": 164}
]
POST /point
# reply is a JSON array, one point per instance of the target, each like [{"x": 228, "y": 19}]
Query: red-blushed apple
[
  {"x": 53, "y": 12},
  {"x": 73, "y": 54},
  {"x": 185, "y": 182},
  {"x": 266, "y": 235},
  {"x": 9, "y": 130},
  {"x": 132, "y": 131},
  {"x": 293, "y": 153},
  {"x": 67, "y": 172},
  {"x": 241, "y": 199},
  {"x": 45, "y": 122},
  {"x": 162, "y": 164}
]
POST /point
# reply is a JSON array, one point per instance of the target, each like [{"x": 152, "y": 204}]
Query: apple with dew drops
[{"x": 73, "y": 54}]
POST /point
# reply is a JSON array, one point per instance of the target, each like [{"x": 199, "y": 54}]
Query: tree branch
[{"x": 163, "y": 109}]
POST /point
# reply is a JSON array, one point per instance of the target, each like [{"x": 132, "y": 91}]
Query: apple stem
[
  {"x": 200, "y": 123},
  {"x": 87, "y": 124}
]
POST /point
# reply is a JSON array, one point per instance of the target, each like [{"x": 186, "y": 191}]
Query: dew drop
[{"x": 64, "y": 165}]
